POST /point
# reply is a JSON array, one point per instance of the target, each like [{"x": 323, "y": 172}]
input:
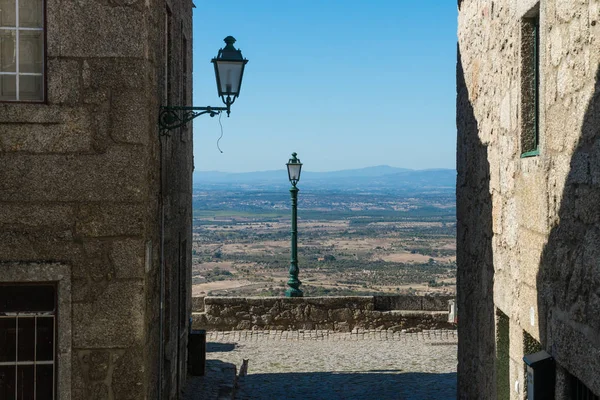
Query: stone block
[
  {"x": 127, "y": 257},
  {"x": 129, "y": 117},
  {"x": 197, "y": 304},
  {"x": 576, "y": 349},
  {"x": 504, "y": 290},
  {"x": 516, "y": 379},
  {"x": 68, "y": 130},
  {"x": 115, "y": 74},
  {"x": 36, "y": 245},
  {"x": 525, "y": 308},
  {"x": 98, "y": 364},
  {"x": 227, "y": 312},
  {"x": 78, "y": 381},
  {"x": 586, "y": 200},
  {"x": 515, "y": 332},
  {"x": 529, "y": 258},
  {"x": 107, "y": 220},
  {"x": 98, "y": 29},
  {"x": 199, "y": 321},
  {"x": 117, "y": 175},
  {"x": 114, "y": 319},
  {"x": 532, "y": 202},
  {"x": 244, "y": 325},
  {"x": 64, "y": 81},
  {"x": 97, "y": 391},
  {"x": 435, "y": 303},
  {"x": 340, "y": 315},
  {"x": 128, "y": 375},
  {"x": 317, "y": 314},
  {"x": 51, "y": 217}
]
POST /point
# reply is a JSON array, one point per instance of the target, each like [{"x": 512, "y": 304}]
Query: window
[
  {"x": 27, "y": 341},
  {"x": 502, "y": 356},
  {"x": 22, "y": 50},
  {"x": 579, "y": 391},
  {"x": 530, "y": 84}
]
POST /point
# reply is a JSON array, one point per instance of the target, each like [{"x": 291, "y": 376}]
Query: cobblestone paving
[{"x": 366, "y": 365}]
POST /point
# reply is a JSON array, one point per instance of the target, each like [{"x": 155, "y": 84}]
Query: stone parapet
[{"x": 339, "y": 314}]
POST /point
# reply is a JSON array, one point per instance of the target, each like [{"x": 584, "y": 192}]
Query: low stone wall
[
  {"x": 340, "y": 314},
  {"x": 415, "y": 303}
]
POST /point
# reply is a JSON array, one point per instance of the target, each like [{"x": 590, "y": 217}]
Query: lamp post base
[{"x": 292, "y": 292}]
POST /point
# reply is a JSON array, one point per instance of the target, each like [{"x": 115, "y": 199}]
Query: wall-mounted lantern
[{"x": 229, "y": 71}]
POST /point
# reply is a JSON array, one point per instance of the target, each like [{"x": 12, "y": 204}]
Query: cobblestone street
[{"x": 325, "y": 365}]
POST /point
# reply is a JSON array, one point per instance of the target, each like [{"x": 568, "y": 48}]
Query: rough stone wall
[
  {"x": 80, "y": 185},
  {"x": 177, "y": 162},
  {"x": 341, "y": 314},
  {"x": 528, "y": 227}
]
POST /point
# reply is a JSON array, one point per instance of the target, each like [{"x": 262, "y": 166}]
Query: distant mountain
[{"x": 382, "y": 176}]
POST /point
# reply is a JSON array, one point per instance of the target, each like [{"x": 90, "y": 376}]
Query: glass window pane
[
  {"x": 8, "y": 87},
  {"x": 26, "y": 339},
  {"x": 8, "y": 339},
  {"x": 44, "y": 385},
  {"x": 31, "y": 51},
  {"x": 45, "y": 339},
  {"x": 27, "y": 298},
  {"x": 7, "y": 381},
  {"x": 8, "y": 55},
  {"x": 25, "y": 382},
  {"x": 30, "y": 88},
  {"x": 31, "y": 14},
  {"x": 8, "y": 14}
]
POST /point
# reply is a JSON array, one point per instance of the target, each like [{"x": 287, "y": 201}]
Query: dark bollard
[{"x": 197, "y": 352}]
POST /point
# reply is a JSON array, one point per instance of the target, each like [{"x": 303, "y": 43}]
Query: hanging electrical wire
[{"x": 220, "y": 137}]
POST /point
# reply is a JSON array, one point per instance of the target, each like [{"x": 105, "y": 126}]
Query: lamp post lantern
[
  {"x": 229, "y": 71},
  {"x": 294, "y": 167}
]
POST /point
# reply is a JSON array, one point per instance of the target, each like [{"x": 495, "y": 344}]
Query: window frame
[
  {"x": 44, "y": 73},
  {"x": 59, "y": 274},
  {"x": 530, "y": 83},
  {"x": 19, "y": 315}
]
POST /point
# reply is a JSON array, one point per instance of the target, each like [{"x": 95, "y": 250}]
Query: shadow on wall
[
  {"x": 475, "y": 278},
  {"x": 348, "y": 386},
  {"x": 568, "y": 280}
]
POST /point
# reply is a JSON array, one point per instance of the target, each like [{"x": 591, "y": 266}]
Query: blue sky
[{"x": 344, "y": 83}]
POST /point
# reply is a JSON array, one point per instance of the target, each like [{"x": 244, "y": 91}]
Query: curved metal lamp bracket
[{"x": 175, "y": 117}]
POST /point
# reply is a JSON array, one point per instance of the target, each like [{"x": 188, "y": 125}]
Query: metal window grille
[
  {"x": 581, "y": 392},
  {"x": 27, "y": 342},
  {"x": 22, "y": 52}
]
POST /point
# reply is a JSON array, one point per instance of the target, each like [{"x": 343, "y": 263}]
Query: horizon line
[{"x": 338, "y": 170}]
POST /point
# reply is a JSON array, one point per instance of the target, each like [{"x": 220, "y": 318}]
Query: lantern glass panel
[
  {"x": 294, "y": 172},
  {"x": 230, "y": 77}
]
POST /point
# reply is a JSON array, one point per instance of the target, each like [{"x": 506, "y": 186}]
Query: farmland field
[{"x": 350, "y": 242}]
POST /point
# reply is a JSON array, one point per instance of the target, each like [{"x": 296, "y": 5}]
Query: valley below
[{"x": 365, "y": 240}]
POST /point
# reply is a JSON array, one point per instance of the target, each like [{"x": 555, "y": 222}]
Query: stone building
[
  {"x": 528, "y": 192},
  {"x": 95, "y": 206}
]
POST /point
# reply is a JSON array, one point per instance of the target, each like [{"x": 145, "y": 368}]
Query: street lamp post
[{"x": 294, "y": 167}]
